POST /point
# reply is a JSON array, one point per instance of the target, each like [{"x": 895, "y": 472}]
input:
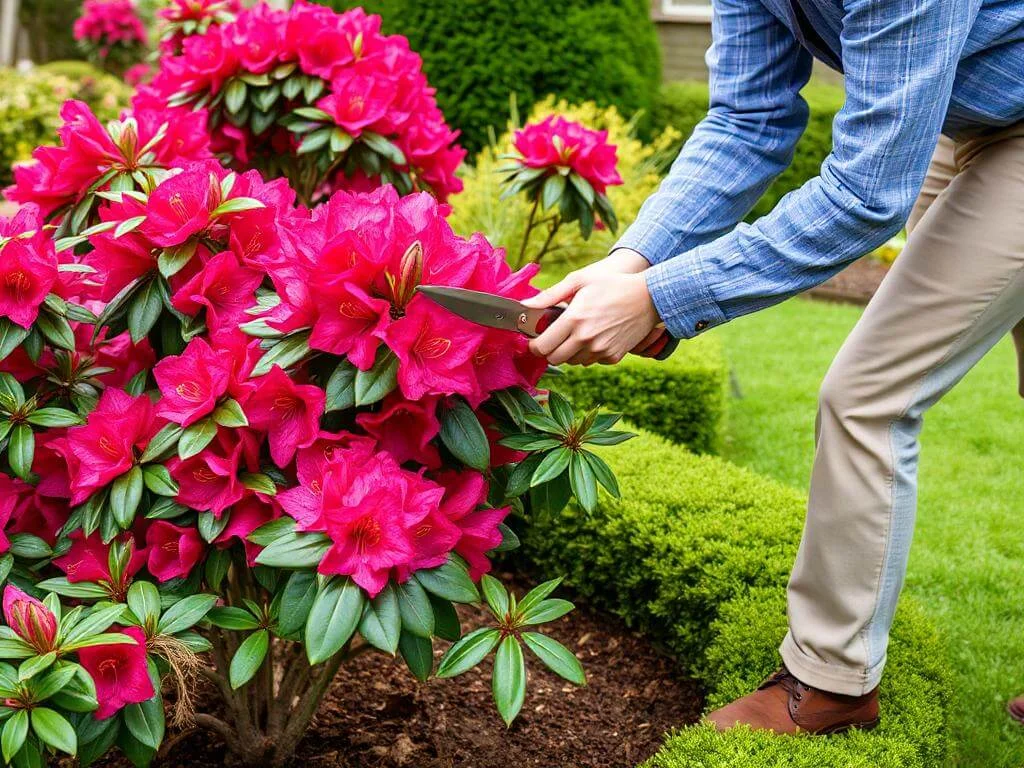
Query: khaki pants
[{"x": 957, "y": 288}]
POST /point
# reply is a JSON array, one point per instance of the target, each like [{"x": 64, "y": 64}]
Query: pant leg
[{"x": 957, "y": 288}]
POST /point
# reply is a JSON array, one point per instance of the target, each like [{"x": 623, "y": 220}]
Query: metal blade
[{"x": 476, "y": 306}]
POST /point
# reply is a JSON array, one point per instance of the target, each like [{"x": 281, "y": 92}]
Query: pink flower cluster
[
  {"x": 564, "y": 144},
  {"x": 199, "y": 13},
  {"x": 373, "y": 83},
  {"x": 106, "y": 23},
  {"x": 89, "y": 157},
  {"x": 28, "y": 266}
]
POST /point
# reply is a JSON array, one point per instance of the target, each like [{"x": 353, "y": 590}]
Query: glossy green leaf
[
  {"x": 14, "y": 733},
  {"x": 21, "y": 449},
  {"x": 468, "y": 652},
  {"x": 556, "y": 657},
  {"x": 450, "y": 581},
  {"x": 144, "y": 311},
  {"x": 232, "y": 617},
  {"x": 296, "y": 602},
  {"x": 144, "y": 600},
  {"x": 295, "y": 550},
  {"x": 163, "y": 442},
  {"x": 341, "y": 387},
  {"x": 248, "y": 658},
  {"x": 536, "y": 595},
  {"x": 230, "y": 414},
  {"x": 495, "y": 594},
  {"x": 53, "y": 729},
  {"x": 546, "y": 610},
  {"x": 414, "y": 607},
  {"x": 285, "y": 353},
  {"x": 373, "y": 385},
  {"x": 333, "y": 618},
  {"x": 125, "y": 495},
  {"x": 508, "y": 681},
  {"x": 418, "y": 653},
  {"x": 54, "y": 417},
  {"x": 464, "y": 436},
  {"x": 551, "y": 466},
  {"x": 196, "y": 437},
  {"x": 158, "y": 479},
  {"x": 186, "y": 613},
  {"x": 11, "y": 335},
  {"x": 583, "y": 481},
  {"x": 381, "y": 623}
]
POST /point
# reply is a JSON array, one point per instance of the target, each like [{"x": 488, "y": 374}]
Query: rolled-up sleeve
[{"x": 899, "y": 59}]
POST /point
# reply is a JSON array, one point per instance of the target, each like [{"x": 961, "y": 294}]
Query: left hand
[{"x": 608, "y": 316}]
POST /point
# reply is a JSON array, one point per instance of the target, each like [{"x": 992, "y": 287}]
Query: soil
[
  {"x": 377, "y": 716},
  {"x": 854, "y": 285}
]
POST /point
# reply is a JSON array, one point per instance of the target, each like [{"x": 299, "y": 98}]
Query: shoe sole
[{"x": 840, "y": 729}]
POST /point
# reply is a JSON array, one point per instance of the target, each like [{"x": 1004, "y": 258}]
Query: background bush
[
  {"x": 697, "y": 554},
  {"x": 30, "y": 105},
  {"x": 683, "y": 105},
  {"x": 478, "y": 208},
  {"x": 683, "y": 398},
  {"x": 477, "y": 53}
]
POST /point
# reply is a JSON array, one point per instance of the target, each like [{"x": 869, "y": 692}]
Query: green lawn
[{"x": 968, "y": 558}]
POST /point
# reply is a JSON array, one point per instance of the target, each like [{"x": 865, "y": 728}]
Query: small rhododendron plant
[
  {"x": 565, "y": 169},
  {"x": 111, "y": 34},
  {"x": 237, "y": 442},
  {"x": 321, "y": 98}
]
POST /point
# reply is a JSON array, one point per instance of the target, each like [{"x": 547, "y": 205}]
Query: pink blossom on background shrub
[
  {"x": 559, "y": 143},
  {"x": 105, "y": 22},
  {"x": 364, "y": 89}
]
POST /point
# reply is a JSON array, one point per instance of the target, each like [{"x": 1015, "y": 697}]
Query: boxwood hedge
[
  {"x": 697, "y": 553},
  {"x": 478, "y": 53},
  {"x": 682, "y": 398}
]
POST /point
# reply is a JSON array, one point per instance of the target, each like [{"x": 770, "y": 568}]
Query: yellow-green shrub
[
  {"x": 477, "y": 208},
  {"x": 30, "y": 106}
]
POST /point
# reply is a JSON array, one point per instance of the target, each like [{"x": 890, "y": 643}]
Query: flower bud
[{"x": 32, "y": 621}]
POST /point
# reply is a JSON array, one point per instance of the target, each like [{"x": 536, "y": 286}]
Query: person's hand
[{"x": 610, "y": 313}]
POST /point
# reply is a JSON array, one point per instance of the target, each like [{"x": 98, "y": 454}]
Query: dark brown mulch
[
  {"x": 854, "y": 285},
  {"x": 378, "y": 716}
]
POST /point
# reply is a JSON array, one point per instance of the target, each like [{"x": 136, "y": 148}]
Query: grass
[{"x": 966, "y": 564}]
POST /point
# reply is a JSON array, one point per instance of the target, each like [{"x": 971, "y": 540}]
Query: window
[{"x": 686, "y": 10}]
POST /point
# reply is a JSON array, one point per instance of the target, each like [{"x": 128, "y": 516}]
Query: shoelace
[{"x": 789, "y": 684}]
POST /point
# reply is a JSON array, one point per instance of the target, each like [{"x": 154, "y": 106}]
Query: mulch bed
[
  {"x": 854, "y": 285},
  {"x": 378, "y": 716}
]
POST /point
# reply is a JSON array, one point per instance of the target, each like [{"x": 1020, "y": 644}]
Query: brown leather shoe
[
  {"x": 785, "y": 705},
  {"x": 1016, "y": 709}
]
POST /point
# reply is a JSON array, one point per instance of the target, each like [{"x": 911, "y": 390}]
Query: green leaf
[
  {"x": 186, "y": 613},
  {"x": 285, "y": 353},
  {"x": 508, "y": 682},
  {"x": 29, "y": 547},
  {"x": 463, "y": 435},
  {"x": 584, "y": 484},
  {"x": 536, "y": 595},
  {"x": 99, "y": 620},
  {"x": 57, "y": 329},
  {"x": 33, "y": 666},
  {"x": 547, "y": 610},
  {"x": 521, "y": 474},
  {"x": 248, "y": 658},
  {"x": 552, "y": 190},
  {"x": 15, "y": 731},
  {"x": 372, "y": 385},
  {"x": 53, "y": 729},
  {"x": 196, "y": 437},
  {"x": 125, "y": 495},
  {"x": 145, "y": 721},
  {"x": 551, "y": 497},
  {"x": 83, "y": 590},
  {"x": 295, "y": 550},
  {"x": 602, "y": 472},
  {"x": 556, "y": 657},
  {"x": 509, "y": 540},
  {"x": 158, "y": 479},
  {"x": 340, "y": 141},
  {"x": 583, "y": 187},
  {"x": 318, "y": 139},
  {"x": 54, "y": 417},
  {"x": 414, "y": 607},
  {"x": 233, "y": 618},
  {"x": 418, "y": 653},
  {"x": 234, "y": 95},
  {"x": 259, "y": 482},
  {"x": 237, "y": 205},
  {"x": 446, "y": 619},
  {"x": 15, "y": 649},
  {"x": 218, "y": 561},
  {"x": 529, "y": 442},
  {"x": 11, "y": 388},
  {"x": 544, "y": 423},
  {"x": 341, "y": 388},
  {"x": 11, "y": 335},
  {"x": 296, "y": 602},
  {"x": 21, "y": 450},
  {"x": 270, "y": 532},
  {"x": 144, "y": 600},
  {"x": 468, "y": 652},
  {"x": 551, "y": 466},
  {"x": 333, "y": 618},
  {"x": 172, "y": 260},
  {"x": 163, "y": 442},
  {"x": 495, "y": 594},
  {"x": 450, "y": 581},
  {"x": 381, "y": 623},
  {"x": 561, "y": 409},
  {"x": 230, "y": 414},
  {"x": 144, "y": 310}
]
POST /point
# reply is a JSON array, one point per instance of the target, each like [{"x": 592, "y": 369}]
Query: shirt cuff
[
  {"x": 649, "y": 239},
  {"x": 681, "y": 296}
]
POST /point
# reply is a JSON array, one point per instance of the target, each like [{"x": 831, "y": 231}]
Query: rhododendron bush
[
  {"x": 111, "y": 34},
  {"x": 321, "y": 98},
  {"x": 237, "y": 444}
]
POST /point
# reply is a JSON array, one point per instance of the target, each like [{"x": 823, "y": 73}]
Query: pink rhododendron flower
[
  {"x": 28, "y": 266},
  {"x": 32, "y": 621},
  {"x": 181, "y": 206},
  {"x": 559, "y": 143},
  {"x": 224, "y": 288},
  {"x": 465, "y": 492},
  {"x": 209, "y": 481},
  {"x": 246, "y": 516},
  {"x": 191, "y": 383},
  {"x": 105, "y": 447},
  {"x": 405, "y": 429},
  {"x": 88, "y": 559},
  {"x": 174, "y": 550},
  {"x": 9, "y": 493},
  {"x": 120, "y": 672},
  {"x": 289, "y": 413},
  {"x": 106, "y": 22}
]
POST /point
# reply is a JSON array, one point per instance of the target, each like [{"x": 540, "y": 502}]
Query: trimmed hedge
[
  {"x": 682, "y": 398},
  {"x": 478, "y": 53},
  {"x": 683, "y": 105},
  {"x": 697, "y": 554}
]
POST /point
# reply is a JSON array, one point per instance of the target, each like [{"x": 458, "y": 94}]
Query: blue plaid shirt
[{"x": 913, "y": 69}]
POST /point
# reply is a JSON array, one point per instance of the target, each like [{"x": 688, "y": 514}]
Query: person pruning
[{"x": 914, "y": 69}]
